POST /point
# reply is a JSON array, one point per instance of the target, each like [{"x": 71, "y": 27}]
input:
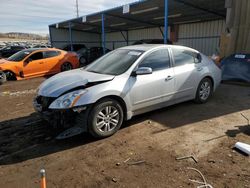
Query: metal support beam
[
  {"x": 162, "y": 33},
  {"x": 166, "y": 22},
  {"x": 127, "y": 38},
  {"x": 50, "y": 37},
  {"x": 103, "y": 34},
  {"x": 201, "y": 8},
  {"x": 134, "y": 20},
  {"x": 97, "y": 26},
  {"x": 70, "y": 37}
]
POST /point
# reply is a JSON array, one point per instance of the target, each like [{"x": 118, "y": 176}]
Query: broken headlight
[{"x": 68, "y": 100}]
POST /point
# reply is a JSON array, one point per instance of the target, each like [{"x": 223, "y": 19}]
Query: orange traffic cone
[{"x": 43, "y": 179}]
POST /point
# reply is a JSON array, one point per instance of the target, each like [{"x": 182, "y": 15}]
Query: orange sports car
[{"x": 36, "y": 62}]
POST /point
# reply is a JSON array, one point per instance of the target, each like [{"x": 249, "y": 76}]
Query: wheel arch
[
  {"x": 8, "y": 70},
  {"x": 118, "y": 99},
  {"x": 210, "y": 78}
]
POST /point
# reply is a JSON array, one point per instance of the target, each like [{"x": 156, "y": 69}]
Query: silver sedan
[{"x": 124, "y": 83}]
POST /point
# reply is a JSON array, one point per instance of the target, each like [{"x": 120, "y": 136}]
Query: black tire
[
  {"x": 66, "y": 67},
  {"x": 2, "y": 77},
  {"x": 204, "y": 91},
  {"x": 112, "y": 122},
  {"x": 83, "y": 61},
  {"x": 10, "y": 76}
]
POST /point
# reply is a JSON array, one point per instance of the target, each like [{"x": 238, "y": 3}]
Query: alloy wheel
[
  {"x": 205, "y": 90},
  {"x": 107, "y": 119}
]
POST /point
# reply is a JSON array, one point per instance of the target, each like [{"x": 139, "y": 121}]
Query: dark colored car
[
  {"x": 85, "y": 55},
  {"x": 76, "y": 47},
  {"x": 151, "y": 41},
  {"x": 8, "y": 51},
  {"x": 236, "y": 68},
  {"x": 96, "y": 52},
  {"x": 41, "y": 46},
  {"x": 81, "y": 50}
]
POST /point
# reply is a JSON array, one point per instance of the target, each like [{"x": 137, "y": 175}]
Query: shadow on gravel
[
  {"x": 30, "y": 137},
  {"x": 227, "y": 100},
  {"x": 245, "y": 129}
]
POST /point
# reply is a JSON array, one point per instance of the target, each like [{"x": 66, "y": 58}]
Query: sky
[{"x": 34, "y": 16}]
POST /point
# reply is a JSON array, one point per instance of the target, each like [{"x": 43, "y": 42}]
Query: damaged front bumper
[{"x": 64, "y": 118}]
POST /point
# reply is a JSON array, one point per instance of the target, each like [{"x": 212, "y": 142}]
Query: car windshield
[
  {"x": 115, "y": 62},
  {"x": 19, "y": 56}
]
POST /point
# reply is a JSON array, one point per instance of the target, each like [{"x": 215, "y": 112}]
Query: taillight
[{"x": 216, "y": 60}]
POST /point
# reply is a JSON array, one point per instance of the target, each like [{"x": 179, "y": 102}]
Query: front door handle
[
  {"x": 40, "y": 62},
  {"x": 169, "y": 78}
]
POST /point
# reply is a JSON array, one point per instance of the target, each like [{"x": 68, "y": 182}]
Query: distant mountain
[{"x": 17, "y": 35}]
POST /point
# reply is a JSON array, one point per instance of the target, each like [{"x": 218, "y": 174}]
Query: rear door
[
  {"x": 186, "y": 70},
  {"x": 51, "y": 61},
  {"x": 34, "y": 66},
  {"x": 148, "y": 91}
]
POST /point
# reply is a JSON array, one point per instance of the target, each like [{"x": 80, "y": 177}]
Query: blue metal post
[
  {"x": 166, "y": 23},
  {"x": 103, "y": 34},
  {"x": 70, "y": 37}
]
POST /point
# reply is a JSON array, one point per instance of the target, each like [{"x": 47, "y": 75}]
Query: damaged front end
[
  {"x": 59, "y": 117},
  {"x": 65, "y": 96}
]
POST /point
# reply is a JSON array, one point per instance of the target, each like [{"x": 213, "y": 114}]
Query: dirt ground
[{"x": 155, "y": 139}]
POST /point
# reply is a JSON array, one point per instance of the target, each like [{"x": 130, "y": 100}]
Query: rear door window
[{"x": 50, "y": 54}]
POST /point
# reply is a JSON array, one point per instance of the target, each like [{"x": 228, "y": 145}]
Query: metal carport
[{"x": 117, "y": 23}]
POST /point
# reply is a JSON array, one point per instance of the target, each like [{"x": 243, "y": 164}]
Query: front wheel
[
  {"x": 105, "y": 118},
  {"x": 10, "y": 75},
  {"x": 204, "y": 91}
]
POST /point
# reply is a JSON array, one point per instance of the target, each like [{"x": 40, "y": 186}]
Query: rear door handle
[{"x": 169, "y": 78}]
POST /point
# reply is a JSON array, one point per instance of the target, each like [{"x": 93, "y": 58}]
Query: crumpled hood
[{"x": 63, "y": 82}]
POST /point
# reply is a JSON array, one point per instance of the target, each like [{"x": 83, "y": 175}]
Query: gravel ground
[{"x": 142, "y": 154}]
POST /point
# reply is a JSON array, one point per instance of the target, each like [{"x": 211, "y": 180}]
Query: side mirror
[{"x": 144, "y": 71}]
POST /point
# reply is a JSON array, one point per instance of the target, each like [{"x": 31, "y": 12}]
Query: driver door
[
  {"x": 148, "y": 91},
  {"x": 34, "y": 65}
]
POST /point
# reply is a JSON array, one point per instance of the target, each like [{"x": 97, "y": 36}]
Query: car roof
[
  {"x": 40, "y": 49},
  {"x": 147, "y": 47}
]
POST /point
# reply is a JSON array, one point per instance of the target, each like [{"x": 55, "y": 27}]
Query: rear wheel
[
  {"x": 105, "y": 119},
  {"x": 2, "y": 78},
  {"x": 66, "y": 67},
  {"x": 204, "y": 91}
]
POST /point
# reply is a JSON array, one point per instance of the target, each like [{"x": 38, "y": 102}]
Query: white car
[{"x": 124, "y": 83}]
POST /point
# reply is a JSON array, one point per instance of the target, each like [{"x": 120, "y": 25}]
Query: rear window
[
  {"x": 49, "y": 54},
  {"x": 183, "y": 57}
]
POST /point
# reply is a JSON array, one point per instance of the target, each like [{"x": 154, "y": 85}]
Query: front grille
[{"x": 45, "y": 102}]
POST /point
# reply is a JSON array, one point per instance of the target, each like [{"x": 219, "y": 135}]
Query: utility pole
[{"x": 77, "y": 9}]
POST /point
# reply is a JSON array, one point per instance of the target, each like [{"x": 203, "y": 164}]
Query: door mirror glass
[{"x": 144, "y": 71}]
